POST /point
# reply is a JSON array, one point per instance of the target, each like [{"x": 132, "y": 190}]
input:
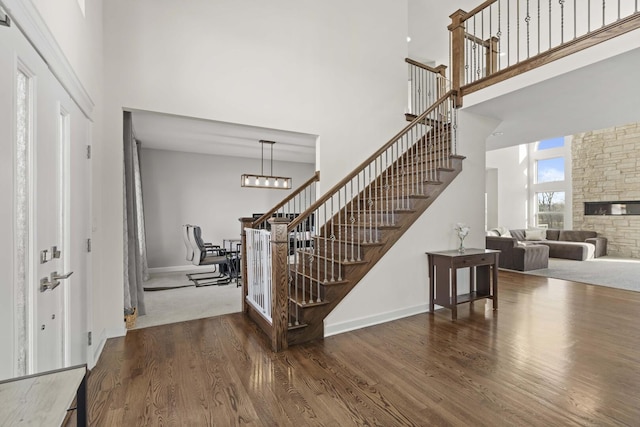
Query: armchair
[{"x": 516, "y": 257}]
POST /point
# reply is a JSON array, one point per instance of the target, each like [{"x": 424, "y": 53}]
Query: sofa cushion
[
  {"x": 553, "y": 234},
  {"x": 518, "y": 235},
  {"x": 576, "y": 235},
  {"x": 570, "y": 250},
  {"x": 535, "y": 234}
]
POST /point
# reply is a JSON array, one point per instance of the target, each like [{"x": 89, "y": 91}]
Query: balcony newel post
[
  {"x": 442, "y": 87},
  {"x": 279, "y": 283},
  {"x": 492, "y": 55},
  {"x": 457, "y": 53},
  {"x": 244, "y": 224}
]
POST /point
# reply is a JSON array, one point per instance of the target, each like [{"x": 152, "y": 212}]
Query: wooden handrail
[
  {"x": 435, "y": 70},
  {"x": 314, "y": 178},
  {"x": 477, "y": 40},
  {"x": 477, "y": 9},
  {"x": 293, "y": 224},
  {"x": 624, "y": 25}
]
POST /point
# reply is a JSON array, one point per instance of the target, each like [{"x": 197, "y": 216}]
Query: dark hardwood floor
[{"x": 557, "y": 353}]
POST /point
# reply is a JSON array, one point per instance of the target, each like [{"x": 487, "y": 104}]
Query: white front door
[{"x": 44, "y": 228}]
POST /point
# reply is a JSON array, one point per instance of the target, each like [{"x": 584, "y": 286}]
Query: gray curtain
[{"x": 135, "y": 248}]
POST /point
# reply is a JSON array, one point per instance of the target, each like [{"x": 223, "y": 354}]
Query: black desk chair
[{"x": 207, "y": 254}]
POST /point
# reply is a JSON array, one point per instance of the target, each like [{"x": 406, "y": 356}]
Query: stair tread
[
  {"x": 302, "y": 304},
  {"x": 293, "y": 327},
  {"x": 363, "y": 224},
  {"x": 337, "y": 261},
  {"x": 349, "y": 241},
  {"x": 323, "y": 282}
]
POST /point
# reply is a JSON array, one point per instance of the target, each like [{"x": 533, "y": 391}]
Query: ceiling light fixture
[{"x": 262, "y": 180}]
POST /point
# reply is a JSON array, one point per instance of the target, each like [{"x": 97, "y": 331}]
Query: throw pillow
[
  {"x": 493, "y": 233},
  {"x": 536, "y": 234},
  {"x": 502, "y": 231}
]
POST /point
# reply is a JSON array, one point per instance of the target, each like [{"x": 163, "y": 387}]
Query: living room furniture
[
  {"x": 515, "y": 256},
  {"x": 44, "y": 399},
  {"x": 568, "y": 244},
  {"x": 443, "y": 277}
]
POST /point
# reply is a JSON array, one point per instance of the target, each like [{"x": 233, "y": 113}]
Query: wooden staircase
[
  {"x": 319, "y": 267},
  {"x": 344, "y": 233}
]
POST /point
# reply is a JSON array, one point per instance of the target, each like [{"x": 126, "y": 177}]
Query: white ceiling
[
  {"x": 601, "y": 95},
  {"x": 187, "y": 134}
]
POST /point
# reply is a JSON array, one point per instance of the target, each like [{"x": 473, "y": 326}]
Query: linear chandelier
[{"x": 262, "y": 180}]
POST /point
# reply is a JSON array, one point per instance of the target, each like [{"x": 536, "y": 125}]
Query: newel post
[
  {"x": 244, "y": 224},
  {"x": 279, "y": 283},
  {"x": 442, "y": 87},
  {"x": 492, "y": 55},
  {"x": 457, "y": 52}
]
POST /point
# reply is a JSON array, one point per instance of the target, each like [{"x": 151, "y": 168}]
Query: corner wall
[
  {"x": 512, "y": 168},
  {"x": 606, "y": 167}
]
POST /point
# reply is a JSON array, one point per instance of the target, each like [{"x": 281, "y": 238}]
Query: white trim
[
  {"x": 177, "y": 268},
  {"x": 25, "y": 15},
  {"x": 376, "y": 319},
  {"x": 102, "y": 340}
]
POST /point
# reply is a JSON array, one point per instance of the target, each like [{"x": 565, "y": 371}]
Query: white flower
[{"x": 462, "y": 230}]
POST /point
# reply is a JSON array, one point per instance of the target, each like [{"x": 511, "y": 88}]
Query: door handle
[
  {"x": 46, "y": 285},
  {"x": 55, "y": 276},
  {"x": 49, "y": 284}
]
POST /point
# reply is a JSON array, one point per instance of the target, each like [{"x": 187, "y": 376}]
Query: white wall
[
  {"x": 398, "y": 285},
  {"x": 187, "y": 188},
  {"x": 428, "y": 21},
  {"x": 79, "y": 37},
  {"x": 332, "y": 68},
  {"x": 512, "y": 164}
]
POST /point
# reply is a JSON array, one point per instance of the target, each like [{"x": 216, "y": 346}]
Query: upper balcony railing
[{"x": 502, "y": 38}]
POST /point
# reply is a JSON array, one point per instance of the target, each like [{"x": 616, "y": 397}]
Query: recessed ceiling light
[
  {"x": 497, "y": 134},
  {"x": 408, "y": 39}
]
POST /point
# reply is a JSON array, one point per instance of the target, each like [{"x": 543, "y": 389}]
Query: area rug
[
  {"x": 164, "y": 281},
  {"x": 621, "y": 273}
]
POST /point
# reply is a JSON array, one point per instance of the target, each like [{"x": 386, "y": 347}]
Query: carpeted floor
[
  {"x": 173, "y": 298},
  {"x": 621, "y": 273}
]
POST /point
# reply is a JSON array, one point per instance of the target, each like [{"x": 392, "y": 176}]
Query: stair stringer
[{"x": 314, "y": 315}]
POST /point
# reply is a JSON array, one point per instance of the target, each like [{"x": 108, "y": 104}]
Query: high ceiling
[{"x": 193, "y": 135}]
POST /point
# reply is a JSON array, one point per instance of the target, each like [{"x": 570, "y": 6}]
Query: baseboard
[
  {"x": 363, "y": 322},
  {"x": 101, "y": 342},
  {"x": 179, "y": 268}
]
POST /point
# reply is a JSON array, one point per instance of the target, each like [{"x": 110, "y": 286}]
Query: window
[
  {"x": 550, "y": 170},
  {"x": 550, "y": 206},
  {"x": 550, "y": 143},
  {"x": 550, "y": 183},
  {"x": 22, "y": 219}
]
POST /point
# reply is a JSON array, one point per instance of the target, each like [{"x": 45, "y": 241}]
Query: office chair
[
  {"x": 207, "y": 254},
  {"x": 187, "y": 244}
]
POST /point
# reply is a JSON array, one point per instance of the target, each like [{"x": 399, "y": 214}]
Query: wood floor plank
[{"x": 556, "y": 353}]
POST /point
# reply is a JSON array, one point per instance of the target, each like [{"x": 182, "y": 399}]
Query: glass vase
[{"x": 461, "y": 247}]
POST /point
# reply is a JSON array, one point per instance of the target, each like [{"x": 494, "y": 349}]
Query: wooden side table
[
  {"x": 443, "y": 277},
  {"x": 44, "y": 399}
]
